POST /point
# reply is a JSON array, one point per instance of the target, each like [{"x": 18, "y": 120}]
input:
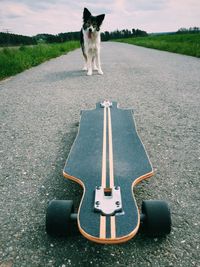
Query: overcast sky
[{"x": 30, "y": 17}]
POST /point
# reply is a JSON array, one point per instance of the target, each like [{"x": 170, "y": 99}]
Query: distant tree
[{"x": 105, "y": 36}]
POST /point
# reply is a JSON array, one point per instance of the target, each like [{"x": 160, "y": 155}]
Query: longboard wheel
[
  {"x": 58, "y": 222},
  {"x": 157, "y": 217}
]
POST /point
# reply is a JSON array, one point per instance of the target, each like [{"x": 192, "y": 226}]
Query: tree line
[
  {"x": 10, "y": 39},
  {"x": 58, "y": 38},
  {"x": 105, "y": 36},
  {"x": 189, "y": 30}
]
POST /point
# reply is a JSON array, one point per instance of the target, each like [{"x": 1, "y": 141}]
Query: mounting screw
[
  {"x": 97, "y": 203},
  {"x": 117, "y": 203}
]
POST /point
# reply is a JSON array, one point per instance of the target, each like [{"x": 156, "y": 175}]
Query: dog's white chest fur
[{"x": 92, "y": 43}]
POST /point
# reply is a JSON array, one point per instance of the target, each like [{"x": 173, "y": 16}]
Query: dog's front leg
[
  {"x": 89, "y": 64},
  {"x": 85, "y": 64},
  {"x": 98, "y": 62},
  {"x": 94, "y": 66}
]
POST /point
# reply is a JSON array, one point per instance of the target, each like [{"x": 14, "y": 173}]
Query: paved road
[{"x": 39, "y": 114}]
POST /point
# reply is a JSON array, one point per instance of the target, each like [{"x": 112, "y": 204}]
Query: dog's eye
[{"x": 86, "y": 25}]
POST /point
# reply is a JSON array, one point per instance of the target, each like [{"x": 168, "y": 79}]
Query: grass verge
[
  {"x": 13, "y": 61},
  {"x": 187, "y": 44}
]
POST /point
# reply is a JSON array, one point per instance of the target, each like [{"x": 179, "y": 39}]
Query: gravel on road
[{"x": 39, "y": 117}]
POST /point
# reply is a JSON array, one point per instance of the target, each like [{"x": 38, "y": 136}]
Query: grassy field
[
  {"x": 187, "y": 44},
  {"x": 13, "y": 61}
]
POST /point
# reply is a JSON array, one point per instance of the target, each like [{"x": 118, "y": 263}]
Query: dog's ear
[
  {"x": 100, "y": 19},
  {"x": 86, "y": 14}
]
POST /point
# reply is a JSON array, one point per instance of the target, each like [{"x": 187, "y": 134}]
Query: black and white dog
[{"x": 90, "y": 41}]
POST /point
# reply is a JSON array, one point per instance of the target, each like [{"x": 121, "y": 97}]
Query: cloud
[
  {"x": 14, "y": 10},
  {"x": 32, "y": 5},
  {"x": 30, "y": 17},
  {"x": 149, "y": 5}
]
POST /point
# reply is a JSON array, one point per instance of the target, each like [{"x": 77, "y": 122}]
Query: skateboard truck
[{"x": 108, "y": 200}]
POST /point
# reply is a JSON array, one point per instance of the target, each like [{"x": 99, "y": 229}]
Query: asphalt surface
[{"x": 39, "y": 115}]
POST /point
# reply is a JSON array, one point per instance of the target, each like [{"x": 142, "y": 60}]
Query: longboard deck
[{"x": 108, "y": 153}]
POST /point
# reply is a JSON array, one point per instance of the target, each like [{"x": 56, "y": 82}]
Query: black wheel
[
  {"x": 58, "y": 221},
  {"x": 156, "y": 217}
]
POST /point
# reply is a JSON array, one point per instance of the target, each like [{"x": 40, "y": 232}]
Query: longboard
[{"x": 108, "y": 159}]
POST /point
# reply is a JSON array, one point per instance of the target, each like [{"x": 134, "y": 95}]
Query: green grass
[
  {"x": 187, "y": 44},
  {"x": 13, "y": 61}
]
